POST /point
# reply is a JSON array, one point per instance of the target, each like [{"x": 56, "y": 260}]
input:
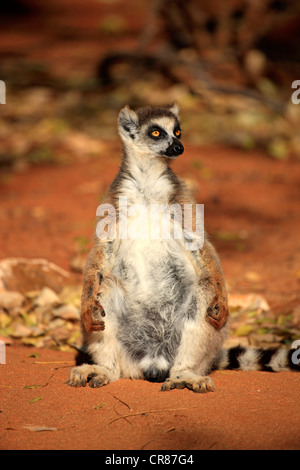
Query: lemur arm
[
  {"x": 217, "y": 312},
  {"x": 92, "y": 280}
]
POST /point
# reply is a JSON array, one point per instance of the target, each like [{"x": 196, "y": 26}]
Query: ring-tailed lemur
[{"x": 151, "y": 307}]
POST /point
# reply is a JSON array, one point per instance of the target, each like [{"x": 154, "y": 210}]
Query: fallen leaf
[
  {"x": 39, "y": 428},
  {"x": 227, "y": 236},
  {"x": 67, "y": 312},
  {"x": 97, "y": 407},
  {"x": 34, "y": 400},
  {"x": 30, "y": 387},
  {"x": 21, "y": 331},
  {"x": 47, "y": 297},
  {"x": 11, "y": 299},
  {"x": 262, "y": 331},
  {"x": 31, "y": 341},
  {"x": 278, "y": 149},
  {"x": 4, "y": 320},
  {"x": 243, "y": 330}
]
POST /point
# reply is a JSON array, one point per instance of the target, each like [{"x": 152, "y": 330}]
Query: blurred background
[
  {"x": 69, "y": 66},
  {"x": 229, "y": 64}
]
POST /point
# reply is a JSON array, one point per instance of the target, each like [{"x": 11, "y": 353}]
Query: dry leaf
[
  {"x": 30, "y": 387},
  {"x": 11, "y": 299},
  {"x": 67, "y": 312},
  {"x": 47, "y": 297},
  {"x": 34, "y": 400},
  {"x": 39, "y": 428},
  {"x": 243, "y": 330},
  {"x": 97, "y": 407},
  {"x": 21, "y": 331}
]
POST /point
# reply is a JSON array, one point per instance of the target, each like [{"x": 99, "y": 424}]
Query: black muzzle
[{"x": 175, "y": 149}]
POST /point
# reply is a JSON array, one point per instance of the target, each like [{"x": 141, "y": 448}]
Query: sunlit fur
[{"x": 155, "y": 293}]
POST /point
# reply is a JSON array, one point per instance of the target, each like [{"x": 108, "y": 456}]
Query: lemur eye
[
  {"x": 178, "y": 133},
  {"x": 155, "y": 133}
]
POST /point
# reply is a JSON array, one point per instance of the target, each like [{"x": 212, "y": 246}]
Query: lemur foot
[
  {"x": 199, "y": 385},
  {"x": 81, "y": 375},
  {"x": 217, "y": 313}
]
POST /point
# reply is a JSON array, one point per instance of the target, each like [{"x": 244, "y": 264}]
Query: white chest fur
[
  {"x": 158, "y": 278},
  {"x": 148, "y": 182}
]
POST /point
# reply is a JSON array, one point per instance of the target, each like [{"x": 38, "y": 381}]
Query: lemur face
[
  {"x": 155, "y": 131},
  {"x": 162, "y": 136}
]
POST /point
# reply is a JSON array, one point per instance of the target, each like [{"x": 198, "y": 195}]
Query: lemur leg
[
  {"x": 101, "y": 296},
  {"x": 102, "y": 346},
  {"x": 217, "y": 312},
  {"x": 199, "y": 346},
  {"x": 104, "y": 351}
]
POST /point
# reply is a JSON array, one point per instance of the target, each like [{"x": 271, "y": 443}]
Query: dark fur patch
[
  {"x": 148, "y": 113},
  {"x": 264, "y": 357},
  {"x": 156, "y": 375},
  {"x": 90, "y": 291},
  {"x": 233, "y": 357},
  {"x": 192, "y": 309},
  {"x": 83, "y": 357}
]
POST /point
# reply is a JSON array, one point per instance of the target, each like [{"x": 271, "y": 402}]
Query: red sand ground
[
  {"x": 256, "y": 410},
  {"x": 249, "y": 410}
]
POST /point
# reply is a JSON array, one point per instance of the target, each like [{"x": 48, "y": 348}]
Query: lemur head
[{"x": 153, "y": 131}]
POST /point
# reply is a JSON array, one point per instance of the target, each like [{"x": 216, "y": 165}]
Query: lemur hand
[
  {"x": 217, "y": 313},
  {"x": 92, "y": 309}
]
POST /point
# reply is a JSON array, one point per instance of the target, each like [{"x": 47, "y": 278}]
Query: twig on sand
[{"x": 148, "y": 412}]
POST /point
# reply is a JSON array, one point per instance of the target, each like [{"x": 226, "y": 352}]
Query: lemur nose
[
  {"x": 175, "y": 149},
  {"x": 178, "y": 148}
]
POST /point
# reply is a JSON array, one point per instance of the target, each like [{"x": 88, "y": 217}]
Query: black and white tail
[{"x": 270, "y": 360}]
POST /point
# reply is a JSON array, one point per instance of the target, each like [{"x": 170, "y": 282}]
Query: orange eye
[
  {"x": 155, "y": 133},
  {"x": 178, "y": 133}
]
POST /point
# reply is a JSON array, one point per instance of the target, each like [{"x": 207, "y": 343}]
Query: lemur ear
[
  {"x": 174, "y": 108},
  {"x": 128, "y": 122}
]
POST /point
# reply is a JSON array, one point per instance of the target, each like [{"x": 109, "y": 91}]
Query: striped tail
[{"x": 270, "y": 360}]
